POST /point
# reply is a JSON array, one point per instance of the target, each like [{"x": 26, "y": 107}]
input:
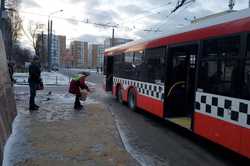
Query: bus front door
[
  {"x": 108, "y": 72},
  {"x": 180, "y": 85}
]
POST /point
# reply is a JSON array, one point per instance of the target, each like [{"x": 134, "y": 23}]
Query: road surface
[{"x": 153, "y": 141}]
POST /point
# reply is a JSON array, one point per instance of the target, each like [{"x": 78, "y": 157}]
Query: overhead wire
[
  {"x": 148, "y": 14},
  {"x": 156, "y": 28},
  {"x": 125, "y": 28},
  {"x": 151, "y": 13}
]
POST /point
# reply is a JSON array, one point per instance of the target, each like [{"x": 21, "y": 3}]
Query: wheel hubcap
[
  {"x": 120, "y": 95},
  {"x": 132, "y": 101}
]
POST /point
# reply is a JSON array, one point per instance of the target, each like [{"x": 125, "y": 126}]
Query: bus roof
[{"x": 230, "y": 23}]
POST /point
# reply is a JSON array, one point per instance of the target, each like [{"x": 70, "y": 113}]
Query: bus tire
[
  {"x": 119, "y": 95},
  {"x": 132, "y": 100}
]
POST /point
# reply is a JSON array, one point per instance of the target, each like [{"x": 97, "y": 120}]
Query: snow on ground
[
  {"x": 49, "y": 78},
  {"x": 80, "y": 70}
]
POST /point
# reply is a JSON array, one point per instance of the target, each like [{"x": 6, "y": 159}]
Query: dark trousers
[
  {"x": 32, "y": 94},
  {"x": 77, "y": 101}
]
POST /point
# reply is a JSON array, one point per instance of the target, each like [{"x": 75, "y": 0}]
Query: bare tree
[
  {"x": 33, "y": 30},
  {"x": 16, "y": 27},
  {"x": 21, "y": 56}
]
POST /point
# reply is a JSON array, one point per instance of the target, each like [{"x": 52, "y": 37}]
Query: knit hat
[{"x": 84, "y": 74}]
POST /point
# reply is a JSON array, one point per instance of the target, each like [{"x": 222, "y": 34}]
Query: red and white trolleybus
[{"x": 197, "y": 77}]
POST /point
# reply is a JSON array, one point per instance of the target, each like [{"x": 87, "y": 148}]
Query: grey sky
[{"x": 132, "y": 16}]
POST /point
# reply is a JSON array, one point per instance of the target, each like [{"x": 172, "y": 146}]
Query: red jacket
[{"x": 76, "y": 84}]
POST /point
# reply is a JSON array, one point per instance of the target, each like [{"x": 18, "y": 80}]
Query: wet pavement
[
  {"x": 149, "y": 140},
  {"x": 155, "y": 142},
  {"x": 58, "y": 135}
]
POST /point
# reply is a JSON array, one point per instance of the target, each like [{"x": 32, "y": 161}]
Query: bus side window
[
  {"x": 247, "y": 71},
  {"x": 129, "y": 57},
  {"x": 118, "y": 60},
  {"x": 247, "y": 80},
  {"x": 127, "y": 65},
  {"x": 219, "y": 69},
  {"x": 138, "y": 58},
  {"x": 154, "y": 61}
]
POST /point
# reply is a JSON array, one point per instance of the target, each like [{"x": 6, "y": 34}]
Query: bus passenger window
[
  {"x": 179, "y": 70},
  {"x": 248, "y": 47},
  {"x": 118, "y": 61},
  {"x": 247, "y": 71},
  {"x": 129, "y": 57},
  {"x": 247, "y": 80},
  {"x": 154, "y": 61},
  {"x": 221, "y": 48},
  {"x": 219, "y": 67},
  {"x": 138, "y": 58}
]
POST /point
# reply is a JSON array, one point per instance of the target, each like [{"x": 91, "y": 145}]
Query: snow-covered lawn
[
  {"x": 80, "y": 70},
  {"x": 49, "y": 78}
]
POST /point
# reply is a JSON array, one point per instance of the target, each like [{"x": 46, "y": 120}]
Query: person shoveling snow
[{"x": 79, "y": 88}]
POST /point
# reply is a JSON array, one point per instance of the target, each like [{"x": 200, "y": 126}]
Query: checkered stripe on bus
[
  {"x": 147, "y": 89},
  {"x": 229, "y": 109}
]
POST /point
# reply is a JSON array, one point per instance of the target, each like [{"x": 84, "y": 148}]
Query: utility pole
[
  {"x": 50, "y": 36},
  {"x": 249, "y": 4},
  {"x": 42, "y": 51},
  {"x": 48, "y": 43},
  {"x": 107, "y": 26}
]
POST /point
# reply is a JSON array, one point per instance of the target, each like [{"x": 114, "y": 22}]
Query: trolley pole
[
  {"x": 48, "y": 40},
  {"x": 42, "y": 51}
]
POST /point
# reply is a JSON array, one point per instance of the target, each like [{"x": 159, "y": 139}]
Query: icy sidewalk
[{"x": 59, "y": 136}]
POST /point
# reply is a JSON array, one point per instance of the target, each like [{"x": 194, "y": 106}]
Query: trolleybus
[{"x": 197, "y": 77}]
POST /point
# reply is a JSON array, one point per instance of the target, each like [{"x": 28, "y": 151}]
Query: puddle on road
[{"x": 140, "y": 153}]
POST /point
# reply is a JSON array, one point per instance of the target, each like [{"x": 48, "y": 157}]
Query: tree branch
[{"x": 181, "y": 3}]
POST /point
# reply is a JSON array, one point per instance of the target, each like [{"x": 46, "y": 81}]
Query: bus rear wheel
[{"x": 132, "y": 100}]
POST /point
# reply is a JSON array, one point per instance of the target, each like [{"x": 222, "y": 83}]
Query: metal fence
[{"x": 47, "y": 80}]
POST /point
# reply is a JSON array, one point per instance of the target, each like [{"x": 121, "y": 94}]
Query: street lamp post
[{"x": 50, "y": 35}]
